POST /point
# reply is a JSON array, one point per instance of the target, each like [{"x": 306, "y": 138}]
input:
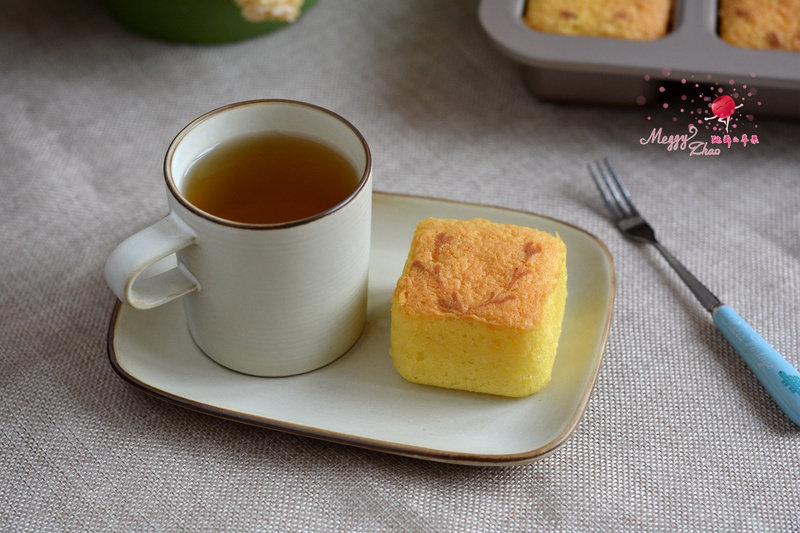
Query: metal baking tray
[{"x": 607, "y": 71}]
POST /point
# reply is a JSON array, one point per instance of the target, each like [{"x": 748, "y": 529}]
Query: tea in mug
[{"x": 269, "y": 178}]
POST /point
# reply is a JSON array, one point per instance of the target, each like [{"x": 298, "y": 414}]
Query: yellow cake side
[
  {"x": 468, "y": 354},
  {"x": 622, "y": 19},
  {"x": 479, "y": 307}
]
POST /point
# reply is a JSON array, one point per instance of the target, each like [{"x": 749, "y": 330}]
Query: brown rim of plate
[{"x": 178, "y": 195}]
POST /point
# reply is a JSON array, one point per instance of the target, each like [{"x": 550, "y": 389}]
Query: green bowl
[{"x": 191, "y": 21}]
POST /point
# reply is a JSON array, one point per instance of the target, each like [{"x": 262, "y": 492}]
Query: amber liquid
[{"x": 269, "y": 178}]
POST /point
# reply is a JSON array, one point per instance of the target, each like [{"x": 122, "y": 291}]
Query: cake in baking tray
[
  {"x": 762, "y": 24},
  {"x": 479, "y": 307},
  {"x": 622, "y": 19}
]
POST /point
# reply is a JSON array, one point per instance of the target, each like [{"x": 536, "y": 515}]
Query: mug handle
[{"x": 139, "y": 251}]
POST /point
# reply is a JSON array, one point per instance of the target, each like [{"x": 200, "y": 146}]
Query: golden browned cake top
[
  {"x": 624, "y": 19},
  {"x": 499, "y": 274},
  {"x": 764, "y": 24}
]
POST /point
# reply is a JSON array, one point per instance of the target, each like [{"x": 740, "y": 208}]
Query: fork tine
[
  {"x": 621, "y": 187},
  {"x": 613, "y": 191},
  {"x": 611, "y": 203}
]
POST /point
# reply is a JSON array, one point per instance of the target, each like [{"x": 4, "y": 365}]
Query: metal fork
[{"x": 777, "y": 375}]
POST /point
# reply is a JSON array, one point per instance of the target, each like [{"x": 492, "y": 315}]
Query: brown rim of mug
[{"x": 178, "y": 195}]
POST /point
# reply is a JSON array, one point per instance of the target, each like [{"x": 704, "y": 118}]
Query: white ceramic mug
[{"x": 267, "y": 300}]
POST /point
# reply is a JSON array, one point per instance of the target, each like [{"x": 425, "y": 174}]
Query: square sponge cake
[
  {"x": 762, "y": 24},
  {"x": 621, "y": 19},
  {"x": 479, "y": 307}
]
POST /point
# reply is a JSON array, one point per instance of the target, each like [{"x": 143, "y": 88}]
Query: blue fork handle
[{"x": 777, "y": 375}]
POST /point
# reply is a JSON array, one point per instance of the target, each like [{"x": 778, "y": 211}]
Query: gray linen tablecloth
[{"x": 678, "y": 435}]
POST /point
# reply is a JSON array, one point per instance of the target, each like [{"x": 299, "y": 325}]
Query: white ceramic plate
[{"x": 360, "y": 399}]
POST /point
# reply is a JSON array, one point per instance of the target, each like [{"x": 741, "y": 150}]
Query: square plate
[{"x": 360, "y": 399}]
